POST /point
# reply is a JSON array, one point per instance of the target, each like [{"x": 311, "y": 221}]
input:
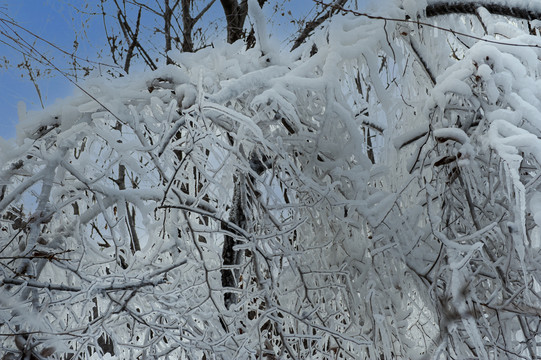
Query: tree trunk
[
  {"x": 235, "y": 14},
  {"x": 230, "y": 256},
  {"x": 187, "y": 27},
  {"x": 167, "y": 15}
]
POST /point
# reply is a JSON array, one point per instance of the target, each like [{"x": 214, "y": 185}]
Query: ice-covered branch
[
  {"x": 516, "y": 10},
  {"x": 99, "y": 288}
]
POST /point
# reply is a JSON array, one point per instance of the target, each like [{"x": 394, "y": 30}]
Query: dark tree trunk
[
  {"x": 231, "y": 257},
  {"x": 167, "y": 15},
  {"x": 235, "y": 15},
  {"x": 187, "y": 24}
]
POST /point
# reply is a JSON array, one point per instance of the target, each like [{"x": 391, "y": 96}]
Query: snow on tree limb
[
  {"x": 525, "y": 12},
  {"x": 231, "y": 207}
]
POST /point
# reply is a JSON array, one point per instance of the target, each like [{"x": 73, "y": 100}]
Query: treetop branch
[{"x": 434, "y": 12}]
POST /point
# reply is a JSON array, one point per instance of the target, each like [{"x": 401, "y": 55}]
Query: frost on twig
[{"x": 345, "y": 203}]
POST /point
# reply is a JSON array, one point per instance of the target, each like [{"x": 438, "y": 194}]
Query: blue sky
[{"x": 58, "y": 22}]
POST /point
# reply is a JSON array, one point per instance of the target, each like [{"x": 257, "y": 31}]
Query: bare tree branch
[
  {"x": 318, "y": 20},
  {"x": 132, "y": 38},
  {"x": 463, "y": 7}
]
